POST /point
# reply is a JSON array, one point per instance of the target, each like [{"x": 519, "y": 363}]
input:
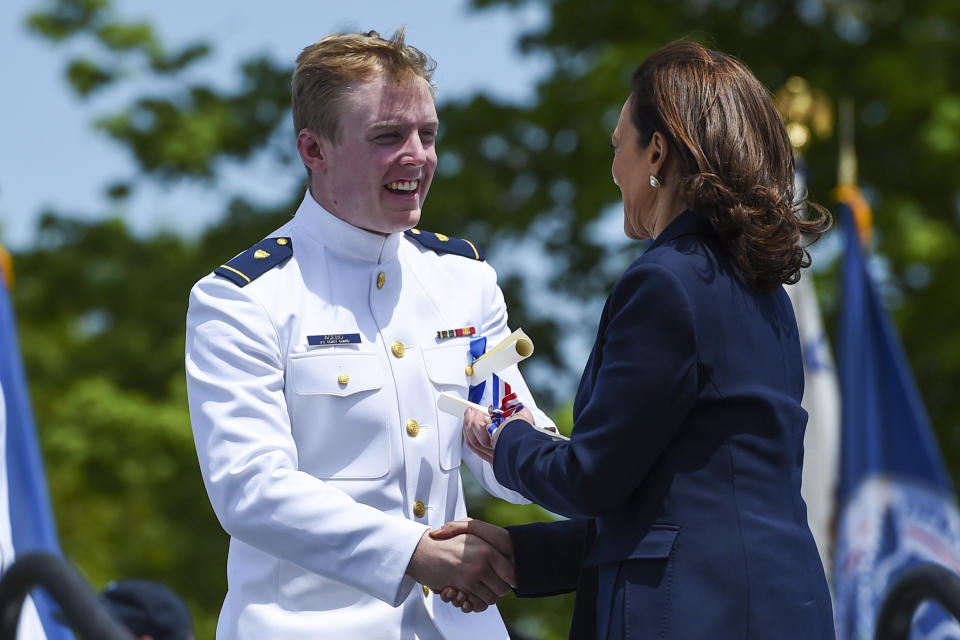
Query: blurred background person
[
  {"x": 151, "y": 610},
  {"x": 148, "y": 609}
]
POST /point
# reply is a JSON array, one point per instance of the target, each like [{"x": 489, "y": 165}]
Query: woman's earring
[{"x": 655, "y": 181}]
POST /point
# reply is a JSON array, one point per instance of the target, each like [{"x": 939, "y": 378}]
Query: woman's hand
[{"x": 524, "y": 414}]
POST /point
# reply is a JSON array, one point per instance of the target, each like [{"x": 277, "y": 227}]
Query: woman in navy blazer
[{"x": 681, "y": 479}]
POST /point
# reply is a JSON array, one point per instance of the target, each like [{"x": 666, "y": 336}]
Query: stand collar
[
  {"x": 688, "y": 222},
  {"x": 341, "y": 237}
]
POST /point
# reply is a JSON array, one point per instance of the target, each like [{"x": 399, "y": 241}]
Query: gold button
[
  {"x": 413, "y": 427},
  {"x": 381, "y": 280},
  {"x": 282, "y": 241},
  {"x": 426, "y": 590},
  {"x": 419, "y": 509},
  {"x": 441, "y": 237},
  {"x": 397, "y": 348},
  {"x": 415, "y": 231},
  {"x": 343, "y": 378},
  {"x": 469, "y": 370}
]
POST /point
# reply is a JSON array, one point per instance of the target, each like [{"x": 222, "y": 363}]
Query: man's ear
[{"x": 313, "y": 150}]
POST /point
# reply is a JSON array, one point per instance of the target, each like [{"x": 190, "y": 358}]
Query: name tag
[{"x": 333, "y": 339}]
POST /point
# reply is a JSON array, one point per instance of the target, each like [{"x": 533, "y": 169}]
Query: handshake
[{"x": 467, "y": 562}]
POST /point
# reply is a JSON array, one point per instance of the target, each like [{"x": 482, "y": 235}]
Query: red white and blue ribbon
[
  {"x": 509, "y": 403},
  {"x": 505, "y": 400}
]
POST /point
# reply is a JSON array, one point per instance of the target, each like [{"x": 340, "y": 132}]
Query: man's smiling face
[{"x": 378, "y": 175}]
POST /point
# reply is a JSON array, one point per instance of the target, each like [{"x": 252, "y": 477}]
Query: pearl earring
[{"x": 655, "y": 181}]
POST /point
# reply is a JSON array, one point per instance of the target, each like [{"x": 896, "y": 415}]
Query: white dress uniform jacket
[{"x": 327, "y": 463}]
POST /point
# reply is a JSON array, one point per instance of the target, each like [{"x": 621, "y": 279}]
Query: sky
[{"x": 52, "y": 159}]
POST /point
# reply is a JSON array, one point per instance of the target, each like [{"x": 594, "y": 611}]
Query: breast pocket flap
[
  {"x": 335, "y": 374},
  {"x": 447, "y": 365},
  {"x": 656, "y": 544}
]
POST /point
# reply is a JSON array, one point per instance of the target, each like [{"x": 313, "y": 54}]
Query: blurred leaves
[
  {"x": 126, "y": 37},
  {"x": 61, "y": 19},
  {"x": 185, "y": 135},
  {"x": 128, "y": 490},
  {"x": 86, "y": 77},
  {"x": 115, "y": 41}
]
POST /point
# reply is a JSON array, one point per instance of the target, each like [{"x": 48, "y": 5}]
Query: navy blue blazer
[{"x": 682, "y": 474}]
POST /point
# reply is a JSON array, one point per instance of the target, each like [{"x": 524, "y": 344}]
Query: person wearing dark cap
[{"x": 151, "y": 610}]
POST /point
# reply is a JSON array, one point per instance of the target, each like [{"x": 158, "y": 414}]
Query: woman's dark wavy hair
[{"x": 735, "y": 160}]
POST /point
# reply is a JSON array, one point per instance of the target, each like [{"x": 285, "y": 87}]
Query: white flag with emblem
[{"x": 821, "y": 399}]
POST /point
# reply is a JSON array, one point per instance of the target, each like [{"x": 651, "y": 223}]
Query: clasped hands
[{"x": 469, "y": 562}]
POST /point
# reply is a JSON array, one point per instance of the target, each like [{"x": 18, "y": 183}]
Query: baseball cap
[{"x": 148, "y": 608}]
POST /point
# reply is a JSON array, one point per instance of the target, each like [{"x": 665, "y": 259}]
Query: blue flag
[
  {"x": 896, "y": 500},
  {"x": 31, "y": 518}
]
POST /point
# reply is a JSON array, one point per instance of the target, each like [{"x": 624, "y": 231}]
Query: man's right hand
[
  {"x": 465, "y": 562},
  {"x": 496, "y": 536}
]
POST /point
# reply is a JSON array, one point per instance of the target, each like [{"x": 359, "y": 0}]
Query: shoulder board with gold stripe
[
  {"x": 445, "y": 244},
  {"x": 256, "y": 261}
]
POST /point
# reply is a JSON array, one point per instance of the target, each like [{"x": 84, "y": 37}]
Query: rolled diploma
[
  {"x": 511, "y": 350},
  {"x": 454, "y": 405}
]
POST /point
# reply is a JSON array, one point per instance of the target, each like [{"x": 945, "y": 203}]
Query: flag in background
[
  {"x": 895, "y": 498},
  {"x": 821, "y": 399},
  {"x": 31, "y": 518}
]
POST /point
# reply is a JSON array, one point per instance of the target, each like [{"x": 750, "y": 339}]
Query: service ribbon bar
[{"x": 456, "y": 333}]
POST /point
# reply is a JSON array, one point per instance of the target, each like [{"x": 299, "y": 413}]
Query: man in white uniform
[{"x": 314, "y": 361}]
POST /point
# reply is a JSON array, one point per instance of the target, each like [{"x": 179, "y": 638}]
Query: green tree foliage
[{"x": 101, "y": 310}]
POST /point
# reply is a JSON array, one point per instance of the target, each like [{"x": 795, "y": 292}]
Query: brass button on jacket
[
  {"x": 413, "y": 428},
  {"x": 398, "y": 349},
  {"x": 426, "y": 590},
  {"x": 381, "y": 280},
  {"x": 419, "y": 509},
  {"x": 343, "y": 378}
]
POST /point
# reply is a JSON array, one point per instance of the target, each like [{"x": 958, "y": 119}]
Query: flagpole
[
  {"x": 847, "y": 191},
  {"x": 847, "y": 165}
]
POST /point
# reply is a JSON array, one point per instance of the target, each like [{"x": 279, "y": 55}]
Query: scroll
[
  {"x": 511, "y": 350},
  {"x": 455, "y": 405}
]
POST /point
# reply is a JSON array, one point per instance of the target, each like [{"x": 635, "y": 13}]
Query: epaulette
[
  {"x": 444, "y": 244},
  {"x": 256, "y": 261}
]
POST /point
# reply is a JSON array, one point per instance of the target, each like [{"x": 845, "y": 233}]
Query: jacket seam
[
  {"x": 743, "y": 548},
  {"x": 678, "y": 283},
  {"x": 668, "y": 590}
]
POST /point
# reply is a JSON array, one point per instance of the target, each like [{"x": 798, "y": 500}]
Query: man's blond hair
[{"x": 326, "y": 70}]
